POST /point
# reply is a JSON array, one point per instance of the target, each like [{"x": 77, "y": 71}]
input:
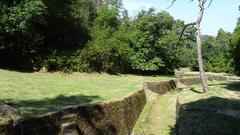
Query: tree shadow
[
  {"x": 221, "y": 84},
  {"x": 37, "y": 107},
  {"x": 230, "y": 85},
  {"x": 196, "y": 91},
  {"x": 234, "y": 86},
  {"x": 81, "y": 119},
  {"x": 212, "y": 116}
]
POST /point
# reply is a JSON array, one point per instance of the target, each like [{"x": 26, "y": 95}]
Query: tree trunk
[{"x": 199, "y": 46}]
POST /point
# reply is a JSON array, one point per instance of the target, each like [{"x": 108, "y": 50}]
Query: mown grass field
[
  {"x": 38, "y": 93},
  {"x": 159, "y": 115}
]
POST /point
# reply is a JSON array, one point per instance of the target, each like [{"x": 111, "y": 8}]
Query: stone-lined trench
[{"x": 117, "y": 117}]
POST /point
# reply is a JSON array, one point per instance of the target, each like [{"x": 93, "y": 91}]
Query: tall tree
[{"x": 197, "y": 25}]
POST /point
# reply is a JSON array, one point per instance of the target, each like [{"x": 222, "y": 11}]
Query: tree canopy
[{"x": 99, "y": 36}]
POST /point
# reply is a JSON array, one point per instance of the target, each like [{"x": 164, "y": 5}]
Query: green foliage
[
  {"x": 219, "y": 63},
  {"x": 63, "y": 62},
  {"x": 109, "y": 51},
  {"x": 68, "y": 24},
  {"x": 156, "y": 43},
  {"x": 235, "y": 42},
  {"x": 33, "y": 31},
  {"x": 112, "y": 56},
  {"x": 169, "y": 52},
  {"x": 217, "y": 53},
  {"x": 186, "y": 57},
  {"x": 148, "y": 28},
  {"x": 107, "y": 18},
  {"x": 20, "y": 33},
  {"x": 89, "y": 35},
  {"x": 223, "y": 39}
]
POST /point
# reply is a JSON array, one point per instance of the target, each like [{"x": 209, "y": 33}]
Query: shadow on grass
[
  {"x": 196, "y": 91},
  {"x": 212, "y": 116},
  {"x": 37, "y": 107},
  {"x": 233, "y": 86}
]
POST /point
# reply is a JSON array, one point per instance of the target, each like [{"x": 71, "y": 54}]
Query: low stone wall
[
  {"x": 163, "y": 87},
  {"x": 160, "y": 87},
  {"x": 113, "y": 118}
]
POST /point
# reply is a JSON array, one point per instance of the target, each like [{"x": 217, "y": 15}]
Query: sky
[{"x": 221, "y": 14}]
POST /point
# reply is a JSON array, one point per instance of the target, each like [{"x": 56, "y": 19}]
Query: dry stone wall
[
  {"x": 160, "y": 87},
  {"x": 113, "y": 118},
  {"x": 163, "y": 87}
]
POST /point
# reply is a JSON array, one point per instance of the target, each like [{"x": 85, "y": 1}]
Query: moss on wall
[
  {"x": 113, "y": 118},
  {"x": 163, "y": 87}
]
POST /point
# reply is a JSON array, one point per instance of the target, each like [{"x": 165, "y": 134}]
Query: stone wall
[
  {"x": 163, "y": 87},
  {"x": 113, "y": 118},
  {"x": 160, "y": 87}
]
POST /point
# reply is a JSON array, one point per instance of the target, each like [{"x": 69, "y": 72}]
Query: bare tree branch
[
  {"x": 210, "y": 3},
  {"x": 172, "y": 3},
  {"x": 190, "y": 24},
  {"x": 198, "y": 39}
]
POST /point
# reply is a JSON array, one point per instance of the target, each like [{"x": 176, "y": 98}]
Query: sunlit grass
[
  {"x": 159, "y": 116},
  {"x": 37, "y": 93}
]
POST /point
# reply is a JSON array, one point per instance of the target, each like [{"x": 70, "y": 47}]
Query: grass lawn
[
  {"x": 159, "y": 115},
  {"x": 38, "y": 93}
]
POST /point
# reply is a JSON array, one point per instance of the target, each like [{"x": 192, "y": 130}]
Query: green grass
[
  {"x": 217, "y": 112},
  {"x": 161, "y": 113},
  {"x": 38, "y": 93}
]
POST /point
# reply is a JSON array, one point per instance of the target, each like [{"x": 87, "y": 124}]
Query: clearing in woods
[{"x": 38, "y": 93}]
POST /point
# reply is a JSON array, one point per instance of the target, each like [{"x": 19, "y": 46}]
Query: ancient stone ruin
[{"x": 112, "y": 118}]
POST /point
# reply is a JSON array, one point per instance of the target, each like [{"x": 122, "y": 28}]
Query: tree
[
  {"x": 235, "y": 44},
  {"x": 35, "y": 32},
  {"x": 155, "y": 43},
  {"x": 217, "y": 55},
  {"x": 151, "y": 30},
  {"x": 109, "y": 50},
  {"x": 197, "y": 25},
  {"x": 20, "y": 32},
  {"x": 223, "y": 39},
  {"x": 199, "y": 44}
]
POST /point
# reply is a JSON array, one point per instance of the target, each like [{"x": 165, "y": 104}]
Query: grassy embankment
[{"x": 37, "y": 93}]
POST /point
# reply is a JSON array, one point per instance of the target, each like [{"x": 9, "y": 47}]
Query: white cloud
[
  {"x": 135, "y": 7},
  {"x": 138, "y": 6}
]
